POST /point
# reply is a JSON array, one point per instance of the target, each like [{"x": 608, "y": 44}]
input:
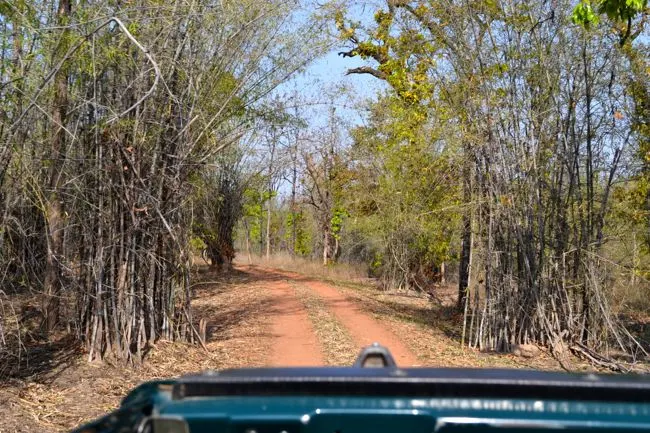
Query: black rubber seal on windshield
[{"x": 415, "y": 382}]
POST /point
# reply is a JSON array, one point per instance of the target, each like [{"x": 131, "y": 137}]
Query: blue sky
[{"x": 326, "y": 76}]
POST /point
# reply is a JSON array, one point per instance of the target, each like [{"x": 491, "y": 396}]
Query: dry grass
[
  {"x": 235, "y": 308},
  {"x": 237, "y": 336},
  {"x": 432, "y": 331},
  {"x": 84, "y": 391},
  {"x": 338, "y": 347},
  {"x": 336, "y": 271}
]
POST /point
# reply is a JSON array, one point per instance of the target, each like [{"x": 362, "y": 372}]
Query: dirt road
[{"x": 295, "y": 341}]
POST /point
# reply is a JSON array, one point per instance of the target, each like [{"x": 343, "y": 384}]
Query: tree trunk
[
  {"x": 270, "y": 198},
  {"x": 248, "y": 242},
  {"x": 326, "y": 247},
  {"x": 54, "y": 207},
  {"x": 294, "y": 179},
  {"x": 268, "y": 230},
  {"x": 261, "y": 222},
  {"x": 466, "y": 242}
]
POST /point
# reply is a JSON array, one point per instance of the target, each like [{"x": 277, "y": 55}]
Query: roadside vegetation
[{"x": 506, "y": 155}]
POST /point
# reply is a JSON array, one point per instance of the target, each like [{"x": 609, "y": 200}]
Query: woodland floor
[{"x": 255, "y": 317}]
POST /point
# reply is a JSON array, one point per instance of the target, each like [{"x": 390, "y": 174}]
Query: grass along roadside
[
  {"x": 432, "y": 332},
  {"x": 337, "y": 344}
]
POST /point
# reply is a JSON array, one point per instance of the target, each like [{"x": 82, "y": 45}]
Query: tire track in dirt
[
  {"x": 295, "y": 343},
  {"x": 339, "y": 349},
  {"x": 363, "y": 328}
]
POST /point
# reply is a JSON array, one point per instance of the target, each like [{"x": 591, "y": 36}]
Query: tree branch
[
  {"x": 149, "y": 58},
  {"x": 351, "y": 53},
  {"x": 367, "y": 70}
]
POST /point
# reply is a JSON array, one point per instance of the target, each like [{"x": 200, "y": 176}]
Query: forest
[{"x": 502, "y": 149}]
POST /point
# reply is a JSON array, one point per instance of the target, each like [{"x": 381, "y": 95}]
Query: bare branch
[
  {"x": 351, "y": 53},
  {"x": 151, "y": 60},
  {"x": 367, "y": 70}
]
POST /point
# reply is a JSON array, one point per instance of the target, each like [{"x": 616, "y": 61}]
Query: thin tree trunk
[
  {"x": 261, "y": 222},
  {"x": 268, "y": 230},
  {"x": 54, "y": 207},
  {"x": 248, "y": 241},
  {"x": 270, "y": 199},
  {"x": 294, "y": 179},
  {"x": 466, "y": 240},
  {"x": 326, "y": 246}
]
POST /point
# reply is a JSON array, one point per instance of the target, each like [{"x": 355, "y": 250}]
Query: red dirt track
[
  {"x": 295, "y": 342},
  {"x": 364, "y": 329}
]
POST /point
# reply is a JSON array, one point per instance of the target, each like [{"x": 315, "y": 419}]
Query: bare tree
[{"x": 322, "y": 166}]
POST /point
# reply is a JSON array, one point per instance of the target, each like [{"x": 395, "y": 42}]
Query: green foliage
[
  {"x": 253, "y": 208},
  {"x": 6, "y": 9},
  {"x": 303, "y": 246},
  {"x": 404, "y": 180},
  {"x": 405, "y": 59},
  {"x": 197, "y": 244},
  {"x": 376, "y": 264},
  {"x": 336, "y": 222},
  {"x": 587, "y": 12},
  {"x": 396, "y": 203},
  {"x": 404, "y": 192},
  {"x": 584, "y": 14}
]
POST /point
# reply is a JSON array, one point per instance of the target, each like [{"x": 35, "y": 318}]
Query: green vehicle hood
[{"x": 338, "y": 400}]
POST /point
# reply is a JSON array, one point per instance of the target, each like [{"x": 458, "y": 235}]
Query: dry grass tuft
[{"x": 338, "y": 347}]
